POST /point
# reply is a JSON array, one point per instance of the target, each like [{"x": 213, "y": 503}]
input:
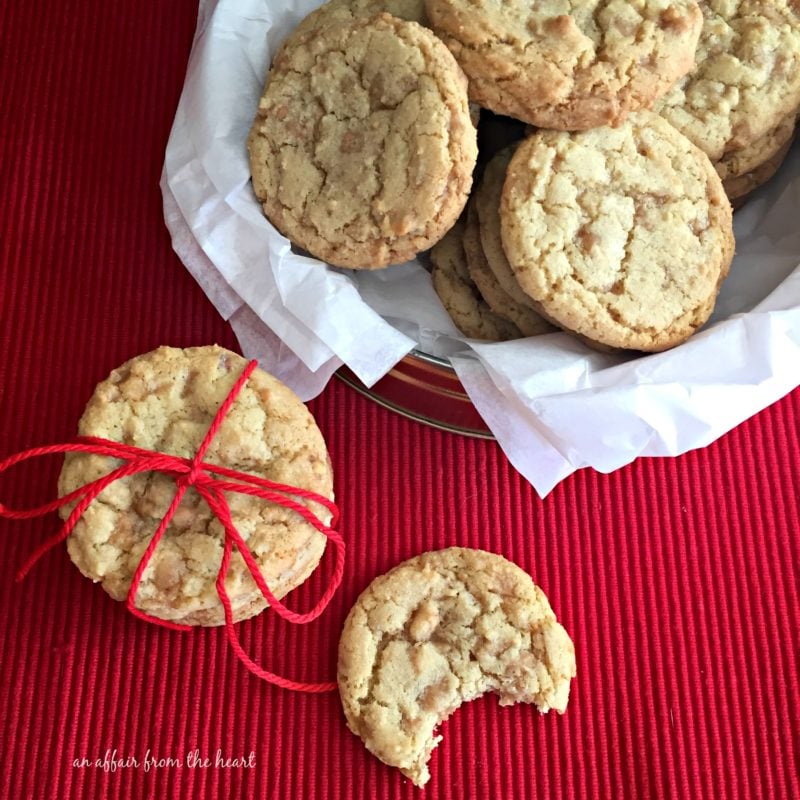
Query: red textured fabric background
[{"x": 677, "y": 579}]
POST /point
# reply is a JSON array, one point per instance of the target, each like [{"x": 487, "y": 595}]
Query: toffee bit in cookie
[{"x": 439, "y": 630}]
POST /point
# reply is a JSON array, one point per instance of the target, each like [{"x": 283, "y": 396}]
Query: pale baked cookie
[
  {"x": 498, "y": 300},
  {"x": 767, "y": 148},
  {"x": 569, "y": 65},
  {"x": 487, "y": 204},
  {"x": 740, "y": 186},
  {"x": 362, "y": 150},
  {"x": 747, "y": 77},
  {"x": 166, "y": 400},
  {"x": 335, "y": 12},
  {"x": 624, "y": 235},
  {"x": 439, "y": 630},
  {"x": 459, "y": 295}
]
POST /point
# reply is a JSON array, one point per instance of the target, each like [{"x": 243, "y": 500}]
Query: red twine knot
[{"x": 203, "y": 477}]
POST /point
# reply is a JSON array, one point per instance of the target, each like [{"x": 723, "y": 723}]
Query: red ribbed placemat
[{"x": 677, "y": 579}]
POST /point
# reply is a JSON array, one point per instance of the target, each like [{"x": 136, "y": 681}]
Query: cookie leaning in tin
[
  {"x": 362, "y": 150},
  {"x": 623, "y": 235},
  {"x": 164, "y": 401},
  {"x": 460, "y": 296},
  {"x": 439, "y": 630}
]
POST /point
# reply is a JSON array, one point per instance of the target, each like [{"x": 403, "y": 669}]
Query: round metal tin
[{"x": 424, "y": 388}]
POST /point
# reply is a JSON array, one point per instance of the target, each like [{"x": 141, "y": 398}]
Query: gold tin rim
[{"x": 418, "y": 382}]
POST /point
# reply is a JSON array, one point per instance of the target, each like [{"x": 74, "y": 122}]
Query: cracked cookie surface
[
  {"x": 624, "y": 235},
  {"x": 747, "y": 76},
  {"x": 566, "y": 64},
  {"x": 362, "y": 150},
  {"x": 436, "y": 631},
  {"x": 498, "y": 300},
  {"x": 459, "y": 295},
  {"x": 165, "y": 400}
]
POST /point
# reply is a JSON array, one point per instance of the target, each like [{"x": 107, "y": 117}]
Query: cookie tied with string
[{"x": 165, "y": 401}]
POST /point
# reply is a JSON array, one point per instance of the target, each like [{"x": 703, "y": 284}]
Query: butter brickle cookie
[
  {"x": 741, "y": 186},
  {"x": 459, "y": 295},
  {"x": 335, "y": 12},
  {"x": 487, "y": 205},
  {"x": 166, "y": 400},
  {"x": 624, "y": 235},
  {"x": 362, "y": 150},
  {"x": 498, "y": 300},
  {"x": 747, "y": 77},
  {"x": 569, "y": 65},
  {"x": 743, "y": 171},
  {"x": 766, "y": 149},
  {"x": 436, "y": 631}
]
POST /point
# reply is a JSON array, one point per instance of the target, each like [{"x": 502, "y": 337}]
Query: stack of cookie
[
  {"x": 610, "y": 219},
  {"x": 165, "y": 401}
]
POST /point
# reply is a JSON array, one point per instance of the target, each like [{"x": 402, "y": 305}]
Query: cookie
[
  {"x": 747, "y": 76},
  {"x": 624, "y": 235},
  {"x": 436, "y": 631},
  {"x": 362, "y": 150},
  {"x": 336, "y": 12},
  {"x": 743, "y": 170},
  {"x": 569, "y": 65},
  {"x": 166, "y": 400},
  {"x": 498, "y": 300},
  {"x": 487, "y": 206},
  {"x": 344, "y": 11},
  {"x": 739, "y": 187},
  {"x": 459, "y": 295}
]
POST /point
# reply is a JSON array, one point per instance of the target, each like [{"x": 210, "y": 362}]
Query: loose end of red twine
[{"x": 199, "y": 474}]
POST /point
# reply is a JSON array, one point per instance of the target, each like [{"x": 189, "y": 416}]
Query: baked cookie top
[
  {"x": 436, "y": 631},
  {"x": 338, "y": 11},
  {"x": 459, "y": 295},
  {"x": 622, "y": 234},
  {"x": 747, "y": 76},
  {"x": 165, "y": 400},
  {"x": 498, "y": 300},
  {"x": 362, "y": 150},
  {"x": 566, "y": 64}
]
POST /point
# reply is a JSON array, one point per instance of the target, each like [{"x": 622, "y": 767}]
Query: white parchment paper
[{"x": 554, "y": 405}]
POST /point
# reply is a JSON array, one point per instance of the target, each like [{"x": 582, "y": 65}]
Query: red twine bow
[{"x": 197, "y": 473}]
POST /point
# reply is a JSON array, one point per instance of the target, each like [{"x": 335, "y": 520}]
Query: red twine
[{"x": 197, "y": 473}]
